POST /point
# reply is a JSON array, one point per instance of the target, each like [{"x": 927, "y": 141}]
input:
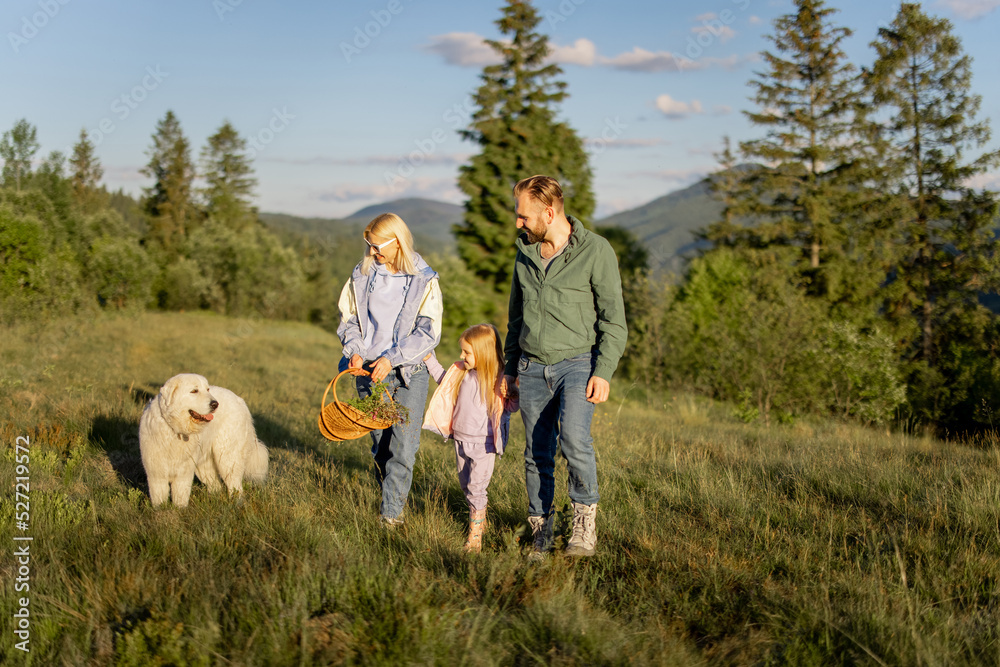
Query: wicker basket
[{"x": 339, "y": 421}]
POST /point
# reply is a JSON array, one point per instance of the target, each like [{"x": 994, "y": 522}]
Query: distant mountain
[
  {"x": 311, "y": 227},
  {"x": 667, "y": 225},
  {"x": 429, "y": 220}
]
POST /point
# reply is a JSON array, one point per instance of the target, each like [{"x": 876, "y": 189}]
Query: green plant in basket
[{"x": 380, "y": 406}]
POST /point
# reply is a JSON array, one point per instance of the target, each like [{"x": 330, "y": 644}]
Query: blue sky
[{"x": 349, "y": 104}]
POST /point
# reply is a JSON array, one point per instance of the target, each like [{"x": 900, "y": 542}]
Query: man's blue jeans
[
  {"x": 554, "y": 408},
  {"x": 395, "y": 448}
]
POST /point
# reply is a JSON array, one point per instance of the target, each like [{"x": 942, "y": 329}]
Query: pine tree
[
  {"x": 518, "y": 134},
  {"x": 86, "y": 176},
  {"x": 807, "y": 98},
  {"x": 168, "y": 201},
  {"x": 226, "y": 168},
  {"x": 17, "y": 147},
  {"x": 922, "y": 79}
]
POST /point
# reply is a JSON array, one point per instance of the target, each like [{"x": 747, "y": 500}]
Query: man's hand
[
  {"x": 380, "y": 369},
  {"x": 598, "y": 390}
]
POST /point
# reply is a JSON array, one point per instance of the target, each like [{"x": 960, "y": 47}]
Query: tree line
[
  {"x": 850, "y": 273},
  {"x": 852, "y": 268},
  {"x": 853, "y": 227},
  {"x": 192, "y": 241}
]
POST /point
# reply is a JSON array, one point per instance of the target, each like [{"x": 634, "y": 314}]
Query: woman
[{"x": 390, "y": 319}]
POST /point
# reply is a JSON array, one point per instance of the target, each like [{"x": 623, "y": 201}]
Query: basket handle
[{"x": 333, "y": 384}]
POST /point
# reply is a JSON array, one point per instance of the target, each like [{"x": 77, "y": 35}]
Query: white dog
[{"x": 191, "y": 428}]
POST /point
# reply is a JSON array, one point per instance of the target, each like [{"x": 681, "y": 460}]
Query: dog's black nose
[{"x": 213, "y": 405}]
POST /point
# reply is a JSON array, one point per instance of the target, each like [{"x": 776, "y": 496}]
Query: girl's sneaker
[{"x": 477, "y": 525}]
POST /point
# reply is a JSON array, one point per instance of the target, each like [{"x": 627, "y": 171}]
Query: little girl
[{"x": 468, "y": 406}]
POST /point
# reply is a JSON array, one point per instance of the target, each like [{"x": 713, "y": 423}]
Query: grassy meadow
[{"x": 719, "y": 542}]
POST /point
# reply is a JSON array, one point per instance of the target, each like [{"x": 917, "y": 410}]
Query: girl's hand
[{"x": 380, "y": 369}]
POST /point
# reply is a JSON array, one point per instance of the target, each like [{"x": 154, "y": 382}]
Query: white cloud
[
  {"x": 708, "y": 16},
  {"x": 465, "y": 49},
  {"x": 675, "y": 109},
  {"x": 641, "y": 60},
  {"x": 722, "y": 109},
  {"x": 722, "y": 32},
  {"x": 756, "y": 20},
  {"x": 581, "y": 52},
  {"x": 970, "y": 10}
]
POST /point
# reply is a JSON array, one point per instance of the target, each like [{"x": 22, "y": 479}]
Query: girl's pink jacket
[{"x": 437, "y": 417}]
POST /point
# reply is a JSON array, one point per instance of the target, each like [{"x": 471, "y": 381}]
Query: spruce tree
[
  {"x": 518, "y": 135},
  {"x": 86, "y": 176},
  {"x": 17, "y": 147},
  {"x": 228, "y": 173},
  {"x": 807, "y": 96},
  {"x": 920, "y": 83},
  {"x": 922, "y": 80},
  {"x": 168, "y": 201}
]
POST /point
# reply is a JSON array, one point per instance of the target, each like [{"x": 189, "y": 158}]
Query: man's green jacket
[{"x": 573, "y": 308}]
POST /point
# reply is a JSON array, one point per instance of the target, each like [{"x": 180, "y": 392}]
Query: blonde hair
[
  {"x": 484, "y": 339},
  {"x": 388, "y": 226},
  {"x": 544, "y": 189}
]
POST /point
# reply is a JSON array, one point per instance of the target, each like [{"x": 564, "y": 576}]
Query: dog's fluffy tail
[{"x": 256, "y": 470}]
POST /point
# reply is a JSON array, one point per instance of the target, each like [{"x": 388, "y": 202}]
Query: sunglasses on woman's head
[{"x": 378, "y": 246}]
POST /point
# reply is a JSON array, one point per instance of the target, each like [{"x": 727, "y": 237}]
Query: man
[{"x": 564, "y": 339}]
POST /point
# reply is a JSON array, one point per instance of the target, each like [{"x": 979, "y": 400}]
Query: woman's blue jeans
[
  {"x": 395, "y": 448},
  {"x": 554, "y": 408}
]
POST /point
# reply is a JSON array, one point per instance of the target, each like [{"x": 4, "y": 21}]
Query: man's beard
[{"x": 534, "y": 235}]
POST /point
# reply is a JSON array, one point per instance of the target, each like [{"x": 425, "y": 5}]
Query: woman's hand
[
  {"x": 355, "y": 364},
  {"x": 380, "y": 369}
]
